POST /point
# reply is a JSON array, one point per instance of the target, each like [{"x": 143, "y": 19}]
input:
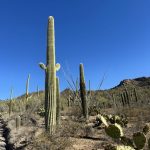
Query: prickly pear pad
[
  {"x": 114, "y": 131},
  {"x": 139, "y": 140}
]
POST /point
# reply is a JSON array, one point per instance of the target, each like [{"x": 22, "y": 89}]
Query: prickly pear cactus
[
  {"x": 139, "y": 140},
  {"x": 103, "y": 120},
  {"x": 149, "y": 143},
  {"x": 118, "y": 147},
  {"x": 114, "y": 131},
  {"x": 127, "y": 141}
]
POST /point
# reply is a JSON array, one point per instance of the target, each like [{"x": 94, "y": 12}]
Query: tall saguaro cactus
[
  {"x": 83, "y": 93},
  {"x": 50, "y": 79}
]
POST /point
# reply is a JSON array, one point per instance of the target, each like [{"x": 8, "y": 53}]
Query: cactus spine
[
  {"x": 58, "y": 102},
  {"x": 83, "y": 93},
  {"x": 50, "y": 79}
]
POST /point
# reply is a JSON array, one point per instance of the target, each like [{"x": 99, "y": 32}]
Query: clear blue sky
[{"x": 107, "y": 36}]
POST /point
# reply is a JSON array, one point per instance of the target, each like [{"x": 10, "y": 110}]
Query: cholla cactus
[
  {"x": 50, "y": 79},
  {"x": 83, "y": 94},
  {"x": 139, "y": 140}
]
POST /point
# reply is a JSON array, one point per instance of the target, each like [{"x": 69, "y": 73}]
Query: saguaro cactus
[
  {"x": 10, "y": 102},
  {"x": 18, "y": 122},
  {"x": 27, "y": 87},
  {"x": 58, "y": 105},
  {"x": 27, "y": 92},
  {"x": 50, "y": 79},
  {"x": 38, "y": 91},
  {"x": 83, "y": 93},
  {"x": 135, "y": 94}
]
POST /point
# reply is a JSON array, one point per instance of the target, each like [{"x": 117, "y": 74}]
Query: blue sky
[{"x": 107, "y": 36}]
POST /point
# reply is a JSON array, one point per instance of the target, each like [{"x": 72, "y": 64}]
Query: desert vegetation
[{"x": 78, "y": 117}]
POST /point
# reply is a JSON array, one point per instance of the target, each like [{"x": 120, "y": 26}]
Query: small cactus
[
  {"x": 18, "y": 122},
  {"x": 83, "y": 92},
  {"x": 114, "y": 131},
  {"x": 10, "y": 102},
  {"x": 139, "y": 140},
  {"x": 38, "y": 91}
]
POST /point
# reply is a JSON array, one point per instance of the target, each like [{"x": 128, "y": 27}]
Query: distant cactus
[
  {"x": 18, "y": 122},
  {"x": 38, "y": 91},
  {"x": 50, "y": 79},
  {"x": 58, "y": 102},
  {"x": 10, "y": 102},
  {"x": 135, "y": 94},
  {"x": 83, "y": 93},
  {"x": 89, "y": 92},
  {"x": 114, "y": 101},
  {"x": 127, "y": 96},
  {"x": 69, "y": 100},
  {"x": 27, "y": 93},
  {"x": 122, "y": 100},
  {"x": 27, "y": 88}
]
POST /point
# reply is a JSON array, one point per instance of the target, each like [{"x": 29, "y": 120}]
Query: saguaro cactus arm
[
  {"x": 57, "y": 67},
  {"x": 42, "y": 66}
]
